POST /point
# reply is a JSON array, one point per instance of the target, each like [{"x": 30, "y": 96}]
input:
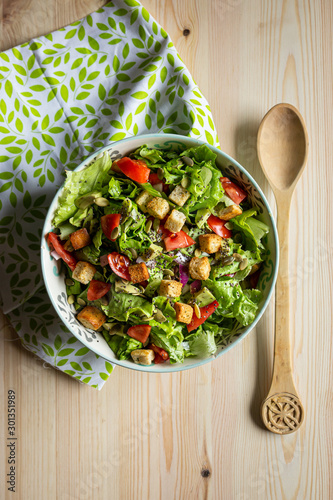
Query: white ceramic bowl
[{"x": 55, "y": 283}]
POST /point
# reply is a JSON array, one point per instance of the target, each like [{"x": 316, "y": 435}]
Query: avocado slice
[
  {"x": 152, "y": 252},
  {"x": 204, "y": 297}
]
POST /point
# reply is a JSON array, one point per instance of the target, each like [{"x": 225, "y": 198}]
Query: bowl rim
[{"x": 176, "y": 367}]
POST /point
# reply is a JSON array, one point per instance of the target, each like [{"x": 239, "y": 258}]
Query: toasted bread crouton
[
  {"x": 80, "y": 238},
  {"x": 210, "y": 243},
  {"x": 254, "y": 269},
  {"x": 199, "y": 268},
  {"x": 138, "y": 272},
  {"x": 179, "y": 195},
  {"x": 170, "y": 288},
  {"x": 115, "y": 167},
  {"x": 83, "y": 272},
  {"x": 229, "y": 212},
  {"x": 184, "y": 312},
  {"x": 175, "y": 221},
  {"x": 158, "y": 207},
  {"x": 143, "y": 199},
  {"x": 143, "y": 356},
  {"x": 91, "y": 317}
]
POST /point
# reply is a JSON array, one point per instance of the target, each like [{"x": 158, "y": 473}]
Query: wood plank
[{"x": 149, "y": 437}]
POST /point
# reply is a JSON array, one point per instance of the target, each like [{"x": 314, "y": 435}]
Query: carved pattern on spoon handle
[{"x": 282, "y": 413}]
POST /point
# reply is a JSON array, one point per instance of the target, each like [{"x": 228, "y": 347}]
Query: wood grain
[{"x": 155, "y": 437}]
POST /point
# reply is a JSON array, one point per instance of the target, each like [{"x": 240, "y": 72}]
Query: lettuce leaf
[
  {"x": 253, "y": 257},
  {"x": 127, "y": 307},
  {"x": 234, "y": 301},
  {"x": 119, "y": 189},
  {"x": 79, "y": 183},
  {"x": 200, "y": 153},
  {"x": 202, "y": 342},
  {"x": 152, "y": 155},
  {"x": 168, "y": 335},
  {"x": 253, "y": 229},
  {"x": 122, "y": 346},
  {"x": 171, "y": 344}
]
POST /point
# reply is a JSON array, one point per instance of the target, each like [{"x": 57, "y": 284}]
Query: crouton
[
  {"x": 210, "y": 243},
  {"x": 143, "y": 199},
  {"x": 179, "y": 195},
  {"x": 143, "y": 356},
  {"x": 158, "y": 207},
  {"x": 170, "y": 288},
  {"x": 115, "y": 167},
  {"x": 138, "y": 272},
  {"x": 199, "y": 268},
  {"x": 80, "y": 238},
  {"x": 184, "y": 312},
  {"x": 254, "y": 269},
  {"x": 83, "y": 272},
  {"x": 68, "y": 246},
  {"x": 175, "y": 221},
  {"x": 91, "y": 317},
  {"x": 229, "y": 212}
]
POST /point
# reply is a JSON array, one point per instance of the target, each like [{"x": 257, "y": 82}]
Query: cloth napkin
[{"x": 111, "y": 75}]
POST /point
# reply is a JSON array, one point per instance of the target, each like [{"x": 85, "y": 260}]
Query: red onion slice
[
  {"x": 183, "y": 274},
  {"x": 104, "y": 260},
  {"x": 195, "y": 286},
  {"x": 55, "y": 255}
]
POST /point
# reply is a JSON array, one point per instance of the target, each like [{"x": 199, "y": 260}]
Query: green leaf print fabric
[{"x": 111, "y": 75}]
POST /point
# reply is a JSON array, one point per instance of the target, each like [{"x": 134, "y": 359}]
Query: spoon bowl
[
  {"x": 282, "y": 145},
  {"x": 282, "y": 130}
]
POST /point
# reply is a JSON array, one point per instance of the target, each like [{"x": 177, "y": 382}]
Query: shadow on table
[{"x": 245, "y": 146}]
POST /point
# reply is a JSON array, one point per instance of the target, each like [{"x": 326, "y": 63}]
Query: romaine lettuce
[
  {"x": 79, "y": 183},
  {"x": 126, "y": 307}
]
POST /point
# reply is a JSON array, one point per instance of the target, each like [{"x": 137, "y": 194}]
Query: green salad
[{"x": 161, "y": 253}]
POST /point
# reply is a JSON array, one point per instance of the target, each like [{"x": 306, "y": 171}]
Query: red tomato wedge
[
  {"x": 136, "y": 170},
  {"x": 64, "y": 254},
  {"x": 218, "y": 226},
  {"x": 108, "y": 223},
  {"x": 158, "y": 350},
  {"x": 235, "y": 193},
  {"x": 119, "y": 265},
  {"x": 205, "y": 313},
  {"x": 178, "y": 240},
  {"x": 154, "y": 179},
  {"x": 97, "y": 289},
  {"x": 158, "y": 359},
  {"x": 139, "y": 332}
]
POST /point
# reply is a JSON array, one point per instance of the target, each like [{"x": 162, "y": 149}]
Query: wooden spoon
[{"x": 282, "y": 145}]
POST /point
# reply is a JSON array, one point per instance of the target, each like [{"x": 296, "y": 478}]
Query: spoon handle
[
  {"x": 282, "y": 379},
  {"x": 282, "y": 411}
]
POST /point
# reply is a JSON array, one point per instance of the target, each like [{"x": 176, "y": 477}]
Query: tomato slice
[
  {"x": 119, "y": 265},
  {"x": 97, "y": 289},
  {"x": 139, "y": 332},
  {"x": 64, "y": 254},
  {"x": 218, "y": 226},
  {"x": 158, "y": 350},
  {"x": 158, "y": 359},
  {"x": 154, "y": 179},
  {"x": 178, "y": 240},
  {"x": 206, "y": 311},
  {"x": 108, "y": 223},
  {"x": 136, "y": 170},
  {"x": 235, "y": 193}
]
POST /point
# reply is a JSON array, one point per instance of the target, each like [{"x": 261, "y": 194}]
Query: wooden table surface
[{"x": 197, "y": 434}]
